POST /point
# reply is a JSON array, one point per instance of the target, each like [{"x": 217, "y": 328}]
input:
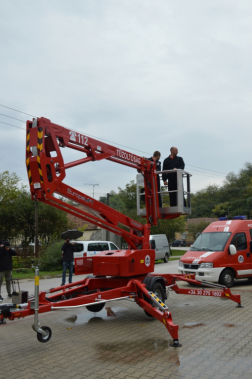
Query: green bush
[
  {"x": 50, "y": 259},
  {"x": 17, "y": 262},
  {"x": 21, "y": 262}
]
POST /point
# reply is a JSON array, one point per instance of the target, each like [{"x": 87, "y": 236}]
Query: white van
[
  {"x": 160, "y": 244},
  {"x": 91, "y": 248}
]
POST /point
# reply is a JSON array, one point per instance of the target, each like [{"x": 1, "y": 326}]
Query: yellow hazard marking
[
  {"x": 40, "y": 139},
  {"x": 29, "y": 170},
  {"x": 164, "y": 321},
  {"x": 40, "y": 147},
  {"x": 227, "y": 295},
  {"x": 142, "y": 261},
  {"x": 36, "y": 280}
]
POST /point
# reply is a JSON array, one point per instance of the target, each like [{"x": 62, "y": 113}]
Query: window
[
  {"x": 98, "y": 246},
  {"x": 250, "y": 231},
  {"x": 93, "y": 247},
  {"x": 113, "y": 247},
  {"x": 240, "y": 242},
  {"x": 153, "y": 244},
  {"x": 214, "y": 241},
  {"x": 103, "y": 246},
  {"x": 79, "y": 246}
]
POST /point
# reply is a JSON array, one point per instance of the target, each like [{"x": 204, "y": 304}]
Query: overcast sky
[{"x": 143, "y": 74}]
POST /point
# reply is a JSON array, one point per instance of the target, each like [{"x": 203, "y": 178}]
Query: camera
[
  {"x": 68, "y": 240},
  {"x": 6, "y": 243}
]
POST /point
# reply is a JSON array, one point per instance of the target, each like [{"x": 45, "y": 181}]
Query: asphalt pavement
[{"x": 216, "y": 339}]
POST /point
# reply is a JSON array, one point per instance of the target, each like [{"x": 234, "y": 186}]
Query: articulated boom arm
[{"x": 47, "y": 170}]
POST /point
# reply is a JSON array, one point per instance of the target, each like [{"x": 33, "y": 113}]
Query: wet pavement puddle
[
  {"x": 191, "y": 325},
  {"x": 136, "y": 351},
  {"x": 91, "y": 317}
]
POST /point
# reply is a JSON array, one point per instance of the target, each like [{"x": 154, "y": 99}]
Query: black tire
[
  {"x": 158, "y": 290},
  {"x": 227, "y": 278},
  {"x": 166, "y": 258},
  {"x": 46, "y": 338},
  {"x": 96, "y": 307}
]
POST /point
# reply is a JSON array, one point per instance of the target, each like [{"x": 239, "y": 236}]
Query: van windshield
[{"x": 211, "y": 241}]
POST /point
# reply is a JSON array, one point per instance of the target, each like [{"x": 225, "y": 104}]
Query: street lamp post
[{"x": 88, "y": 184}]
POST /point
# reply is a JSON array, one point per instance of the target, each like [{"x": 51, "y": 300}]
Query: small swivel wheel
[{"x": 48, "y": 336}]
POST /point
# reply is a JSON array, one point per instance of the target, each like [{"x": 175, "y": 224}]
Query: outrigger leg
[
  {"x": 44, "y": 333},
  {"x": 160, "y": 311}
]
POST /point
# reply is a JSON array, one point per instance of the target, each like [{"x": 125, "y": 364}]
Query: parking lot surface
[{"x": 216, "y": 338}]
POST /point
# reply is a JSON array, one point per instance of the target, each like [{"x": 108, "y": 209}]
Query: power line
[
  {"x": 206, "y": 169},
  {"x": 5, "y": 115},
  {"x": 193, "y": 171},
  {"x": 19, "y": 127},
  {"x": 90, "y": 135},
  {"x": 16, "y": 110}
]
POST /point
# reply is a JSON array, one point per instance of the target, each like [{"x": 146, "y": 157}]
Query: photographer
[
  {"x": 6, "y": 254},
  {"x": 67, "y": 257}
]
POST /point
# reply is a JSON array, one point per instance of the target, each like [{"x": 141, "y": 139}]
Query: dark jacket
[
  {"x": 158, "y": 164},
  {"x": 158, "y": 168},
  {"x": 68, "y": 250},
  {"x": 6, "y": 259},
  {"x": 170, "y": 164}
]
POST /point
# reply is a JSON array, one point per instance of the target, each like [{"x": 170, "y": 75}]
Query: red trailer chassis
[
  {"x": 93, "y": 293},
  {"x": 117, "y": 275}
]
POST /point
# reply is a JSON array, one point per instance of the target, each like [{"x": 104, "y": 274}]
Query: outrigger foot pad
[
  {"x": 239, "y": 306},
  {"x": 175, "y": 343}
]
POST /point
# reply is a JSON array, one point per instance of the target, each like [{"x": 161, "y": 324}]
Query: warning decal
[{"x": 147, "y": 260}]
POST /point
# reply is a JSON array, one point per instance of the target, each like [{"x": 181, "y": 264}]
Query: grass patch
[
  {"x": 173, "y": 259},
  {"x": 178, "y": 252},
  {"x": 29, "y": 273}
]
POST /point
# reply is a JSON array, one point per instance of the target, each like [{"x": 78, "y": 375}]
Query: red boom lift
[{"x": 115, "y": 275}]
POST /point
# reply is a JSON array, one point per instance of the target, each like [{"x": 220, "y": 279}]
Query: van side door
[
  {"x": 241, "y": 261},
  {"x": 153, "y": 246},
  {"x": 79, "y": 249},
  {"x": 96, "y": 247}
]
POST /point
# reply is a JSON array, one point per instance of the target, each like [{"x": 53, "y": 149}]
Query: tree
[
  {"x": 9, "y": 192},
  {"x": 169, "y": 227},
  {"x": 221, "y": 210},
  {"x": 231, "y": 199},
  {"x": 125, "y": 201},
  {"x": 17, "y": 213},
  {"x": 197, "y": 228}
]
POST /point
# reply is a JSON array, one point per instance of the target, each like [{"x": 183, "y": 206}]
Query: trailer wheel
[
  {"x": 158, "y": 290},
  {"x": 95, "y": 308},
  {"x": 166, "y": 258},
  {"x": 227, "y": 278},
  {"x": 46, "y": 338}
]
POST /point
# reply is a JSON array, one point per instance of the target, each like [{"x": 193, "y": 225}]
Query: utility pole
[
  {"x": 36, "y": 230},
  {"x": 107, "y": 232},
  {"x": 88, "y": 184}
]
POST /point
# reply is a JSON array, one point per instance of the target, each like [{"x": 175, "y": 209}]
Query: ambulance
[{"x": 221, "y": 253}]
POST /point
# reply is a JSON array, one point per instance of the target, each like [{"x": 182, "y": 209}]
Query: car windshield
[{"x": 211, "y": 242}]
